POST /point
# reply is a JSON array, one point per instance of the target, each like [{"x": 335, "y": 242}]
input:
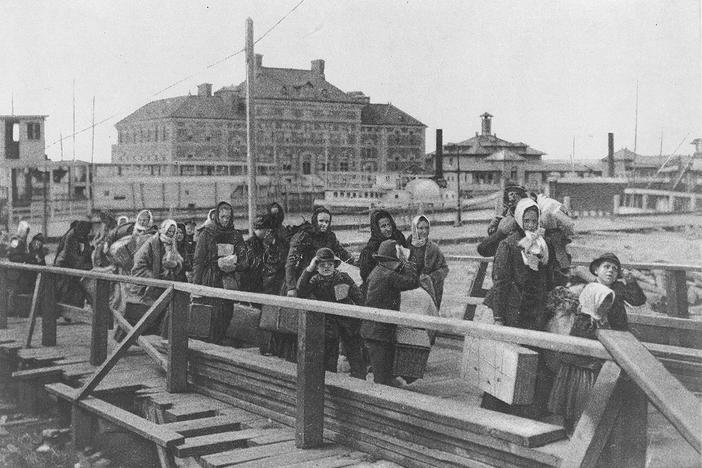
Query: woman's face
[
  {"x": 225, "y": 215},
  {"x": 143, "y": 219},
  {"x": 385, "y": 227},
  {"x": 171, "y": 231},
  {"x": 607, "y": 273},
  {"x": 530, "y": 220},
  {"x": 423, "y": 229},
  {"x": 180, "y": 235},
  {"x": 323, "y": 221}
]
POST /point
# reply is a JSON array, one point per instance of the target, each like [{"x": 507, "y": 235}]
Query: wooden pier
[{"x": 225, "y": 406}]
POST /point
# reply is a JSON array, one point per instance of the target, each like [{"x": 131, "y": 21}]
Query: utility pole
[
  {"x": 275, "y": 168},
  {"x": 92, "y": 143},
  {"x": 326, "y": 162},
  {"x": 250, "y": 122},
  {"x": 74, "y": 120},
  {"x": 45, "y": 188}
]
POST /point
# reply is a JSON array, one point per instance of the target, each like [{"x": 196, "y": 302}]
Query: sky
[{"x": 550, "y": 72}]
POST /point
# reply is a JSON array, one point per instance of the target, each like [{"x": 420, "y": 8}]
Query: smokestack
[
  {"x": 318, "y": 67},
  {"x": 204, "y": 90},
  {"x": 439, "y": 154},
  {"x": 610, "y": 155},
  {"x": 486, "y": 124}
]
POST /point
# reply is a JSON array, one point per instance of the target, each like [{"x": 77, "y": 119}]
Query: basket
[{"x": 410, "y": 360}]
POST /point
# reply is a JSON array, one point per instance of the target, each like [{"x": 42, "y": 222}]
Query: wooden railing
[{"x": 614, "y": 410}]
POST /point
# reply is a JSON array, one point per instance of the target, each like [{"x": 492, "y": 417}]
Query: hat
[
  {"x": 387, "y": 252},
  {"x": 325, "y": 254},
  {"x": 38, "y": 237},
  {"x": 606, "y": 257},
  {"x": 261, "y": 222}
]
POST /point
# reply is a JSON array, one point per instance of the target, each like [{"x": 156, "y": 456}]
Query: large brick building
[{"x": 304, "y": 125}]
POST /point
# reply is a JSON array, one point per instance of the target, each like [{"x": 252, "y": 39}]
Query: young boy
[{"x": 322, "y": 280}]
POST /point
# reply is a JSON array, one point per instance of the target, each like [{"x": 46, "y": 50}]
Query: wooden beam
[
  {"x": 144, "y": 323},
  {"x": 676, "y": 294},
  {"x": 309, "y": 421},
  {"x": 82, "y": 427},
  {"x": 3, "y": 298},
  {"x": 666, "y": 393},
  {"x": 36, "y": 301},
  {"x": 49, "y": 311},
  {"x": 177, "y": 378},
  {"x": 596, "y": 422},
  {"x": 143, "y": 343},
  {"x": 628, "y": 441},
  {"x": 100, "y": 323},
  {"x": 475, "y": 289}
]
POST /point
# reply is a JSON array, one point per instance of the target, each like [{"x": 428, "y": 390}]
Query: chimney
[
  {"x": 486, "y": 123},
  {"x": 318, "y": 67},
  {"x": 439, "y": 154},
  {"x": 610, "y": 155},
  {"x": 204, "y": 90},
  {"x": 258, "y": 61}
]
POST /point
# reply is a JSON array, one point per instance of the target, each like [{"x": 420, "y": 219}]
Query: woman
[
  {"x": 428, "y": 260},
  {"x": 73, "y": 252},
  {"x": 382, "y": 228},
  {"x": 218, "y": 261},
  {"x": 576, "y": 375},
  {"x": 184, "y": 250},
  {"x": 608, "y": 271},
  {"x": 502, "y": 226},
  {"x": 521, "y": 276},
  {"x": 158, "y": 258}
]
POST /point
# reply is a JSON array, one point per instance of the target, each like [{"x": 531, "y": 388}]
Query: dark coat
[
  {"x": 147, "y": 264},
  {"x": 366, "y": 262},
  {"x": 518, "y": 294},
  {"x": 322, "y": 288},
  {"x": 385, "y": 283},
  {"x": 433, "y": 265},
  {"x": 74, "y": 250},
  {"x": 630, "y": 293}
]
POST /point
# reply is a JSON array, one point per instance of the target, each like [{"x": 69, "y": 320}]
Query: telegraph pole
[
  {"x": 250, "y": 122},
  {"x": 459, "y": 221}
]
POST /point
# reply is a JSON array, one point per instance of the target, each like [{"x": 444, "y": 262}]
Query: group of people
[
  {"x": 532, "y": 281},
  {"x": 531, "y": 275}
]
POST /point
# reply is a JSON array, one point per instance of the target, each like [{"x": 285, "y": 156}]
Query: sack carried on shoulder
[{"x": 279, "y": 319}]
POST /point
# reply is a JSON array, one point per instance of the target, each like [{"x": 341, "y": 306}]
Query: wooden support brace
[
  {"x": 3, "y": 298},
  {"x": 143, "y": 343},
  {"x": 676, "y": 294},
  {"x": 475, "y": 289},
  {"x": 144, "y": 323},
  {"x": 309, "y": 421},
  {"x": 100, "y": 323},
  {"x": 48, "y": 310},
  {"x": 596, "y": 422},
  {"x": 36, "y": 301},
  {"x": 177, "y": 379}
]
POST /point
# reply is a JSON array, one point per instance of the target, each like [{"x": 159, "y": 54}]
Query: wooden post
[
  {"x": 82, "y": 425},
  {"x": 309, "y": 421},
  {"x": 250, "y": 122},
  {"x": 475, "y": 289},
  {"x": 177, "y": 376},
  {"x": 36, "y": 300},
  {"x": 48, "y": 311},
  {"x": 676, "y": 293},
  {"x": 628, "y": 442},
  {"x": 100, "y": 324},
  {"x": 3, "y": 298}
]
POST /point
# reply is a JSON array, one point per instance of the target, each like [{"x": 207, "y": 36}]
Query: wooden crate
[
  {"x": 504, "y": 370},
  {"x": 201, "y": 320}
]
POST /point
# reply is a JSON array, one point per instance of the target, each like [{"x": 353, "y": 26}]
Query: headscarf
[
  {"x": 217, "y": 222},
  {"x": 376, "y": 236},
  {"x": 23, "y": 230},
  {"x": 277, "y": 218},
  {"x": 141, "y": 228},
  {"x": 592, "y": 297},
  {"x": 82, "y": 229},
  {"x": 262, "y": 221},
  {"x": 533, "y": 245},
  {"x": 511, "y": 186},
  {"x": 122, "y": 220},
  {"x": 416, "y": 241},
  {"x": 316, "y": 213},
  {"x": 163, "y": 231}
]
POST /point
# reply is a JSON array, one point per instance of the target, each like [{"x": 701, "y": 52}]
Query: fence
[{"x": 616, "y": 408}]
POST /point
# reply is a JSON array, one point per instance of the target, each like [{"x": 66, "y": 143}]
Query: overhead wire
[{"x": 182, "y": 80}]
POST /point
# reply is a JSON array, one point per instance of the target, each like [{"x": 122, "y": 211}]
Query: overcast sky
[{"x": 547, "y": 70}]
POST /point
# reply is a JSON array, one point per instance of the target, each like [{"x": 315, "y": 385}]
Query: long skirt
[{"x": 571, "y": 391}]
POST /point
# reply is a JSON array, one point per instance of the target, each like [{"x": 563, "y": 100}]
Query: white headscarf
[
  {"x": 23, "y": 229},
  {"x": 163, "y": 230},
  {"x": 592, "y": 297},
  {"x": 416, "y": 241},
  {"x": 534, "y": 248},
  {"x": 122, "y": 220},
  {"x": 140, "y": 228}
]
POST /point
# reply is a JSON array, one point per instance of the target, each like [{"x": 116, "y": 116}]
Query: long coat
[
  {"x": 385, "y": 283},
  {"x": 434, "y": 266},
  {"x": 303, "y": 247},
  {"x": 205, "y": 269},
  {"x": 73, "y": 252}
]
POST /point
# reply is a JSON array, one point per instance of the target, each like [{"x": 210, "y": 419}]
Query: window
[
  {"x": 33, "y": 131},
  {"x": 344, "y": 166},
  {"x": 15, "y": 132},
  {"x": 306, "y": 168}
]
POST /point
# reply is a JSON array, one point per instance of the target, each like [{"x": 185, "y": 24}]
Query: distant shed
[{"x": 588, "y": 196}]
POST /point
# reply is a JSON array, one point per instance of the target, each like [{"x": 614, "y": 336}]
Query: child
[
  {"x": 577, "y": 374},
  {"x": 331, "y": 285}
]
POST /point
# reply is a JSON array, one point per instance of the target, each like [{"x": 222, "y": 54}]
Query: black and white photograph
[{"x": 350, "y": 233}]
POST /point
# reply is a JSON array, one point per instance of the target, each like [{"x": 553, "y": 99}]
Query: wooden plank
[
  {"x": 144, "y": 323},
  {"x": 233, "y": 457},
  {"x": 676, "y": 294},
  {"x": 282, "y": 435},
  {"x": 130, "y": 421},
  {"x": 677, "y": 404},
  {"x": 596, "y": 422},
  {"x": 294, "y": 457},
  {"x": 176, "y": 373},
  {"x": 207, "y": 444},
  {"x": 38, "y": 373},
  {"x": 49, "y": 311},
  {"x": 186, "y": 412},
  {"x": 3, "y": 297},
  {"x": 346, "y": 459},
  {"x": 204, "y": 426},
  {"x": 143, "y": 342},
  {"x": 309, "y": 426},
  {"x": 36, "y": 300},
  {"x": 665, "y": 322},
  {"x": 100, "y": 323}
]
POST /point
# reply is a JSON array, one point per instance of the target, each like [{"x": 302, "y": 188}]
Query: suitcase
[
  {"x": 279, "y": 319},
  {"x": 202, "y": 318}
]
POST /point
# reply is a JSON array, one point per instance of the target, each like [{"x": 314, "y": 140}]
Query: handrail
[
  {"x": 635, "y": 265},
  {"x": 538, "y": 339}
]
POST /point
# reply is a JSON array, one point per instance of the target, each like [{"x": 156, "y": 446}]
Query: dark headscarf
[
  {"x": 376, "y": 237},
  {"x": 82, "y": 229},
  {"x": 512, "y": 187},
  {"x": 181, "y": 245},
  {"x": 315, "y": 214},
  {"x": 277, "y": 218},
  {"x": 219, "y": 225}
]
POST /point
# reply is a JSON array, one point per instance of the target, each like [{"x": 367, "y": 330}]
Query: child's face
[
  {"x": 325, "y": 268},
  {"x": 607, "y": 273},
  {"x": 180, "y": 235}
]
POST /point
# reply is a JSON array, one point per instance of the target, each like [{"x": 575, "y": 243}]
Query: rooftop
[{"x": 386, "y": 114}]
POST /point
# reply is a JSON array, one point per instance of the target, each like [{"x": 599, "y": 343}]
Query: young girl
[{"x": 577, "y": 374}]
